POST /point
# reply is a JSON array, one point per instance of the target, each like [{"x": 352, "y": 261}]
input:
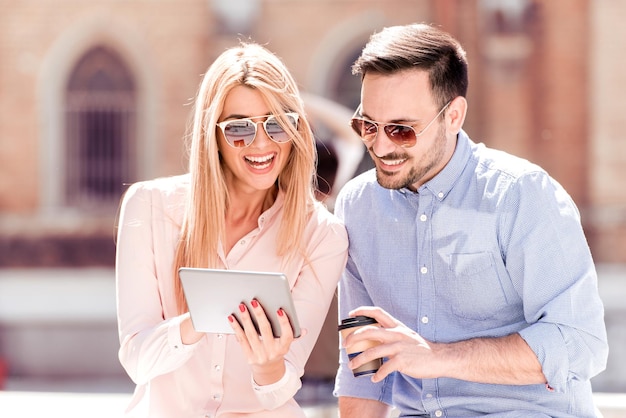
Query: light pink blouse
[{"x": 211, "y": 378}]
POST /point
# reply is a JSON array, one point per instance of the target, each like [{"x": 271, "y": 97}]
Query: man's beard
[{"x": 431, "y": 158}]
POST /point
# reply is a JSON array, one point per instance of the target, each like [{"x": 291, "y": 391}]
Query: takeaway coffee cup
[{"x": 347, "y": 327}]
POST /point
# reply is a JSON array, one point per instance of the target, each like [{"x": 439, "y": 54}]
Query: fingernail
[
  {"x": 242, "y": 307},
  {"x": 254, "y": 303},
  {"x": 280, "y": 312},
  {"x": 230, "y": 318}
]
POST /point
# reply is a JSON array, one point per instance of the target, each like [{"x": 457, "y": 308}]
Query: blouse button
[
  {"x": 217, "y": 396},
  {"x": 218, "y": 367},
  {"x": 243, "y": 242},
  {"x": 220, "y": 336}
]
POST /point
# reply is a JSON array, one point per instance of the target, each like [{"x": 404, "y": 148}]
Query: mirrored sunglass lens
[
  {"x": 370, "y": 129},
  {"x": 356, "y": 126},
  {"x": 240, "y": 133},
  {"x": 365, "y": 129},
  {"x": 275, "y": 131},
  {"x": 292, "y": 119},
  {"x": 401, "y": 134}
]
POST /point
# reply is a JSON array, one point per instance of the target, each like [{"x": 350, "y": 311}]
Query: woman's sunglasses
[
  {"x": 402, "y": 135},
  {"x": 242, "y": 132}
]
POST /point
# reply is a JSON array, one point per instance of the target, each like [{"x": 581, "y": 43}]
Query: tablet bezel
[{"x": 213, "y": 294}]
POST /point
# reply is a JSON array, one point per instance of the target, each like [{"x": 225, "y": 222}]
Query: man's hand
[
  {"x": 498, "y": 360},
  {"x": 406, "y": 350}
]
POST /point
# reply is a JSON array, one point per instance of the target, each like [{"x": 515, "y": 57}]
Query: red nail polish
[
  {"x": 254, "y": 303},
  {"x": 280, "y": 312},
  {"x": 242, "y": 307},
  {"x": 230, "y": 318}
]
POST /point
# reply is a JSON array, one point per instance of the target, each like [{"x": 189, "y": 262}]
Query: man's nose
[{"x": 382, "y": 144}]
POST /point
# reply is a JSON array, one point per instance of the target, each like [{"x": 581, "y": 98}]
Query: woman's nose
[{"x": 261, "y": 134}]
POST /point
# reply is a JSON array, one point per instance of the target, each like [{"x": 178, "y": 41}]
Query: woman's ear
[{"x": 455, "y": 115}]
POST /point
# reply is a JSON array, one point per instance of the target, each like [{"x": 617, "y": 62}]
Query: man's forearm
[
  {"x": 357, "y": 408},
  {"x": 504, "y": 360}
]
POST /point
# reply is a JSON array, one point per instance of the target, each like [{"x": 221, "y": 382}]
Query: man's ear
[{"x": 455, "y": 115}]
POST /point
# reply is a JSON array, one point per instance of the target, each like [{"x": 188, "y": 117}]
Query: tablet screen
[{"x": 213, "y": 294}]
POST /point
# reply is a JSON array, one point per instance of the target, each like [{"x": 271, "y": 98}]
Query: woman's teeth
[{"x": 260, "y": 162}]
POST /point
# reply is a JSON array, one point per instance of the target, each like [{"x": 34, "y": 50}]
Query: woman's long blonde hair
[{"x": 203, "y": 225}]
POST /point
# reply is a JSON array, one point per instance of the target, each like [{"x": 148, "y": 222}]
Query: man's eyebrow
[{"x": 400, "y": 121}]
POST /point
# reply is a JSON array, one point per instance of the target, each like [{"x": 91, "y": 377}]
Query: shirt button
[
  {"x": 218, "y": 367},
  {"x": 217, "y": 396},
  {"x": 424, "y": 320},
  {"x": 429, "y": 395},
  {"x": 438, "y": 413},
  {"x": 243, "y": 242},
  {"x": 220, "y": 336},
  {"x": 440, "y": 195},
  {"x": 424, "y": 270},
  {"x": 423, "y": 218}
]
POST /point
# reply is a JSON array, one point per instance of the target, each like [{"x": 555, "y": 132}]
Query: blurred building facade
[{"x": 95, "y": 95}]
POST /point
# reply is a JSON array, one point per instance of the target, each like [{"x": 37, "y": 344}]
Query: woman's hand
[{"x": 265, "y": 352}]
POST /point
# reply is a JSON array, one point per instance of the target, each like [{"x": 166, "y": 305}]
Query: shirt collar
[{"x": 442, "y": 183}]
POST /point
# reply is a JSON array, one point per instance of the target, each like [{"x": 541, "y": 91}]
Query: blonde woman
[{"x": 247, "y": 203}]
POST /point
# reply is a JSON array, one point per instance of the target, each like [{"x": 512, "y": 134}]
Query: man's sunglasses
[
  {"x": 402, "y": 135},
  {"x": 242, "y": 132}
]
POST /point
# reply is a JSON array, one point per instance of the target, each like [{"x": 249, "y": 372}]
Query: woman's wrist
[
  {"x": 188, "y": 334},
  {"x": 269, "y": 373}
]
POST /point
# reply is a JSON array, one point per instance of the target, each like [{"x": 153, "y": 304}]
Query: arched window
[{"x": 100, "y": 130}]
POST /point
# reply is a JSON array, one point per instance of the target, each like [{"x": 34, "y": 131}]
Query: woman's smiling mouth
[{"x": 260, "y": 162}]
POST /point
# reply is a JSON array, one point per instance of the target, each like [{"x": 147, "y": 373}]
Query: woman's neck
[
  {"x": 243, "y": 213},
  {"x": 250, "y": 205}
]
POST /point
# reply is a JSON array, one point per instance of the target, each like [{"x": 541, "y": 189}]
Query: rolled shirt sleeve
[{"x": 550, "y": 263}]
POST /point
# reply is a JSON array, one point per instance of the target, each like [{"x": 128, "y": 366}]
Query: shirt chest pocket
[{"x": 473, "y": 286}]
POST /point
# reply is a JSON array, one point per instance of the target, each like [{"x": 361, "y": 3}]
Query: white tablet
[{"x": 212, "y": 295}]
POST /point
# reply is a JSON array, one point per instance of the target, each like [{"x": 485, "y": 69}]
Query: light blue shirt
[{"x": 490, "y": 246}]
